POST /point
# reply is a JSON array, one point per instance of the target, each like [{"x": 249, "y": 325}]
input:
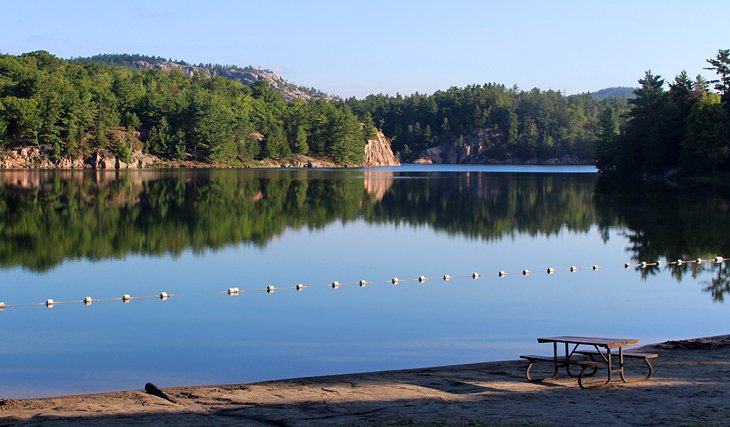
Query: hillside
[
  {"x": 246, "y": 75},
  {"x": 614, "y": 92}
]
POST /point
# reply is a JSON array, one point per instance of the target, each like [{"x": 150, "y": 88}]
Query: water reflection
[
  {"x": 675, "y": 222},
  {"x": 47, "y": 217},
  {"x": 50, "y": 216}
]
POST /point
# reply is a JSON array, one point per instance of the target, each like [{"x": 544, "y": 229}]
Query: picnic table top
[{"x": 603, "y": 342}]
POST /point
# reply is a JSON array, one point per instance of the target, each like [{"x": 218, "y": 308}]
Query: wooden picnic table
[{"x": 600, "y": 356}]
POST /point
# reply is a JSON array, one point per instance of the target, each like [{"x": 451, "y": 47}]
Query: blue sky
[{"x": 374, "y": 46}]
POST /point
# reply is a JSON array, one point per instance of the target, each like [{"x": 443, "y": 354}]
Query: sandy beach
[{"x": 691, "y": 385}]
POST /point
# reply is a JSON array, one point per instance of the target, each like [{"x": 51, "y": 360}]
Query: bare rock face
[
  {"x": 378, "y": 152},
  {"x": 41, "y": 158}
]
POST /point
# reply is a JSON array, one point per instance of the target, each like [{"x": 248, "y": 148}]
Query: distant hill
[
  {"x": 246, "y": 75},
  {"x": 614, "y": 92}
]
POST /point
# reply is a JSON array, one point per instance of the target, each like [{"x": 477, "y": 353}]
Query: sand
[{"x": 691, "y": 385}]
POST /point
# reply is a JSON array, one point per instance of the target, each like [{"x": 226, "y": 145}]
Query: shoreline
[{"x": 689, "y": 387}]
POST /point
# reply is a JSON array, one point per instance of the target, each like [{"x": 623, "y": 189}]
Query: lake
[{"x": 196, "y": 233}]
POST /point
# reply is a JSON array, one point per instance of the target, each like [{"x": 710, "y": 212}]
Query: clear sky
[{"x": 354, "y": 48}]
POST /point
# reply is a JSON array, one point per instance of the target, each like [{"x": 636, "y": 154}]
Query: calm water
[{"x": 194, "y": 234}]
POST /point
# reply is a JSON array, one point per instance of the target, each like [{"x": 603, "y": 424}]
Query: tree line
[
  {"x": 73, "y": 108},
  {"x": 685, "y": 129},
  {"x": 535, "y": 124}
]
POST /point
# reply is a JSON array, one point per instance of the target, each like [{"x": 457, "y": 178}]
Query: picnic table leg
[
  {"x": 621, "y": 364},
  {"x": 610, "y": 367},
  {"x": 555, "y": 360}
]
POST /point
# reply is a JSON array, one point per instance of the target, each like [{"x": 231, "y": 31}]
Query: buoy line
[{"x": 270, "y": 289}]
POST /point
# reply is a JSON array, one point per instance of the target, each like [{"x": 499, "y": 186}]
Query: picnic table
[{"x": 594, "y": 353}]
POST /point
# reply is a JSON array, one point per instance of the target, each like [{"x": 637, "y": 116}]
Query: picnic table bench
[{"x": 589, "y": 361}]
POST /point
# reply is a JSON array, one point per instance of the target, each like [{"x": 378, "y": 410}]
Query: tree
[
  {"x": 159, "y": 141},
  {"x": 721, "y": 66},
  {"x": 707, "y": 142}
]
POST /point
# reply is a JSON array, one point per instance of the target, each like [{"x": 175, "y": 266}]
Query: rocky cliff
[
  {"x": 41, "y": 158},
  {"x": 246, "y": 75},
  {"x": 378, "y": 152},
  {"x": 483, "y": 147}
]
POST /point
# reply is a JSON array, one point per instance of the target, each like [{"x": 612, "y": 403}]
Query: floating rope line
[{"x": 270, "y": 289}]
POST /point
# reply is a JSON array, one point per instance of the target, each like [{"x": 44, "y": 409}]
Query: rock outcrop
[
  {"x": 378, "y": 152},
  {"x": 41, "y": 158},
  {"x": 480, "y": 147}
]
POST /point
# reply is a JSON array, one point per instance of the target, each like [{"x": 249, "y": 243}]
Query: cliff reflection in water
[
  {"x": 673, "y": 222},
  {"x": 49, "y": 216}
]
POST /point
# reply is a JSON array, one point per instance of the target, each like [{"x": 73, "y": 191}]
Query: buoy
[
  {"x": 447, "y": 277},
  {"x": 49, "y": 303},
  {"x": 164, "y": 296},
  {"x": 502, "y": 273},
  {"x": 335, "y": 284},
  {"x": 680, "y": 262},
  {"x": 2, "y": 306},
  {"x": 658, "y": 263},
  {"x": 233, "y": 291},
  {"x": 270, "y": 289},
  {"x": 698, "y": 260},
  {"x": 475, "y": 275},
  {"x": 362, "y": 283},
  {"x": 627, "y": 265},
  {"x": 573, "y": 269},
  {"x": 126, "y": 298},
  {"x": 299, "y": 286},
  {"x": 88, "y": 301},
  {"x": 643, "y": 264},
  {"x": 422, "y": 279},
  {"x": 525, "y": 272},
  {"x": 550, "y": 270},
  {"x": 394, "y": 280},
  {"x": 595, "y": 267},
  {"x": 719, "y": 259}
]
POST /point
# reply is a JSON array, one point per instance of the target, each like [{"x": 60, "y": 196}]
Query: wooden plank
[
  {"x": 629, "y": 354},
  {"x": 603, "y": 342}
]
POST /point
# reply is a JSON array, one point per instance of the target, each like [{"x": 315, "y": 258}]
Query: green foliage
[
  {"x": 71, "y": 105},
  {"x": 682, "y": 130},
  {"x": 533, "y": 124}
]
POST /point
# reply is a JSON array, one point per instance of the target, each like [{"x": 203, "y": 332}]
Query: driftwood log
[{"x": 155, "y": 391}]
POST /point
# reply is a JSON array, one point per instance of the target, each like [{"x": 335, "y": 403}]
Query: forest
[
  {"x": 535, "y": 124},
  {"x": 73, "y": 107},
  {"x": 684, "y": 130}
]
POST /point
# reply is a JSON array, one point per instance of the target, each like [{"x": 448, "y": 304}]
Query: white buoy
[
  {"x": 550, "y": 270},
  {"x": 475, "y": 275},
  {"x": 299, "y": 286},
  {"x": 88, "y": 301},
  {"x": 719, "y": 259},
  {"x": 394, "y": 280},
  {"x": 595, "y": 267},
  {"x": 335, "y": 284},
  {"x": 658, "y": 263},
  {"x": 525, "y": 272},
  {"x": 680, "y": 262},
  {"x": 363, "y": 283},
  {"x": 270, "y": 289},
  {"x": 49, "y": 303},
  {"x": 502, "y": 273},
  {"x": 164, "y": 296},
  {"x": 698, "y": 260},
  {"x": 126, "y": 298},
  {"x": 643, "y": 264},
  {"x": 233, "y": 291},
  {"x": 422, "y": 279},
  {"x": 627, "y": 265},
  {"x": 2, "y": 306},
  {"x": 447, "y": 277},
  {"x": 573, "y": 269}
]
